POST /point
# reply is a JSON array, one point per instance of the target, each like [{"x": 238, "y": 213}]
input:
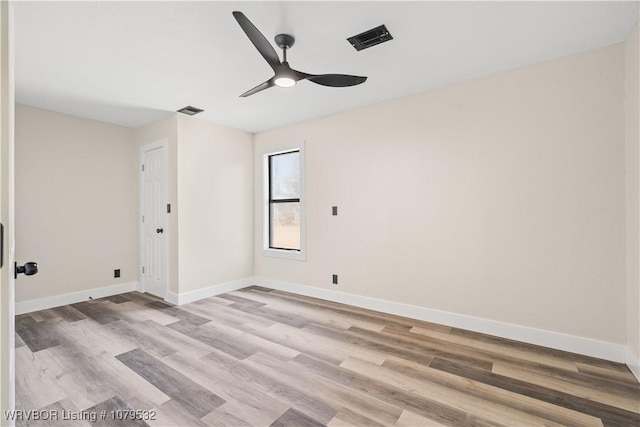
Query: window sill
[{"x": 285, "y": 254}]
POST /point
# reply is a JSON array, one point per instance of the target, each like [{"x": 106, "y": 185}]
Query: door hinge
[
  {"x": 142, "y": 270},
  {"x": 142, "y": 168},
  {"x": 142, "y": 218}
]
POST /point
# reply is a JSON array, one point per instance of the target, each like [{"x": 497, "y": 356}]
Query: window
[
  {"x": 284, "y": 204},
  {"x": 284, "y": 201}
]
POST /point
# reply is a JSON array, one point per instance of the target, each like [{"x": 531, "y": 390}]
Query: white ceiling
[{"x": 132, "y": 63}]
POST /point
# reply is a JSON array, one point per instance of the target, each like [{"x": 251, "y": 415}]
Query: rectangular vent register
[{"x": 370, "y": 38}]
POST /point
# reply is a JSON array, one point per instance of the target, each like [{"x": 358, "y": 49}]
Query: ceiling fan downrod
[{"x": 284, "y": 41}]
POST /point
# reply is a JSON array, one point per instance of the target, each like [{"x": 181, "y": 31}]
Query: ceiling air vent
[
  {"x": 370, "y": 38},
  {"x": 190, "y": 111}
]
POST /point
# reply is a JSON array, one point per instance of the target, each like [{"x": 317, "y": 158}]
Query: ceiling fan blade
[
  {"x": 262, "y": 86},
  {"x": 299, "y": 75},
  {"x": 259, "y": 41},
  {"x": 336, "y": 80}
]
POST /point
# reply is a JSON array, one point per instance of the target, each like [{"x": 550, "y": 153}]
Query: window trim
[{"x": 293, "y": 254}]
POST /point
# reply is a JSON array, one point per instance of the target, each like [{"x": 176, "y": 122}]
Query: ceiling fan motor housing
[{"x": 285, "y": 41}]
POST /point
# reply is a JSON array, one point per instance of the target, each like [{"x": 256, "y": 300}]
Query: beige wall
[
  {"x": 166, "y": 129},
  {"x": 632, "y": 131},
  {"x": 501, "y": 198},
  {"x": 215, "y": 190},
  {"x": 76, "y": 202},
  {"x": 210, "y": 190}
]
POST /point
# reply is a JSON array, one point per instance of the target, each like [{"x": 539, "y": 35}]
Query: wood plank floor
[{"x": 258, "y": 357}]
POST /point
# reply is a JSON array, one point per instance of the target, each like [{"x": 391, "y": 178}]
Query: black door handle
[
  {"x": 159, "y": 230},
  {"x": 28, "y": 269}
]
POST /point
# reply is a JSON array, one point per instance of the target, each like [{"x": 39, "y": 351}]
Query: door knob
[
  {"x": 159, "y": 230},
  {"x": 28, "y": 269}
]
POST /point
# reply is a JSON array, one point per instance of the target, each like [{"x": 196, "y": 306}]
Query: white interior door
[
  {"x": 154, "y": 236},
  {"x": 7, "y": 303}
]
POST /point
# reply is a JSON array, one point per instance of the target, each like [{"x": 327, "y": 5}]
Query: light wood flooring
[{"x": 258, "y": 357}]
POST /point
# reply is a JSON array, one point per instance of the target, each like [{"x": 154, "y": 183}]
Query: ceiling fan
[{"x": 286, "y": 76}]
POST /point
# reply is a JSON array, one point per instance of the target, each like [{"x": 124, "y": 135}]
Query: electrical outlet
[
  {"x": 116, "y": 273},
  {"x": 335, "y": 279}
]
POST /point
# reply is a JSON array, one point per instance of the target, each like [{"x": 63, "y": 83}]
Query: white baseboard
[
  {"x": 190, "y": 296},
  {"x": 73, "y": 297},
  {"x": 633, "y": 363},
  {"x": 172, "y": 297},
  {"x": 586, "y": 346}
]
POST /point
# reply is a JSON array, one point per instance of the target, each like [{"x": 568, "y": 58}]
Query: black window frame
[{"x": 271, "y": 200}]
